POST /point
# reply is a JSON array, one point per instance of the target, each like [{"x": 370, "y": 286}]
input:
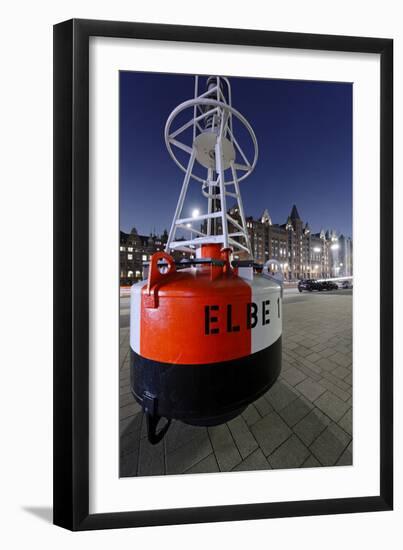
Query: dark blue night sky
[{"x": 304, "y": 132}]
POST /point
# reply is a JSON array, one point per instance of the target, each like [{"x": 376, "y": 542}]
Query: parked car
[
  {"x": 329, "y": 285},
  {"x": 309, "y": 285},
  {"x": 346, "y": 284}
]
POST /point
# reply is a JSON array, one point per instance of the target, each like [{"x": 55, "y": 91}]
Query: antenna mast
[{"x": 211, "y": 145}]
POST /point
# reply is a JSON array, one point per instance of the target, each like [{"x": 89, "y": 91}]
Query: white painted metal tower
[{"x": 216, "y": 161}]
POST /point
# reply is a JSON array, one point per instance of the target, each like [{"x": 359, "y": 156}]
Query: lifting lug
[{"x": 152, "y": 419}]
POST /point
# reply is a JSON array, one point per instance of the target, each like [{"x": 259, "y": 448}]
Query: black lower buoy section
[{"x": 201, "y": 394}]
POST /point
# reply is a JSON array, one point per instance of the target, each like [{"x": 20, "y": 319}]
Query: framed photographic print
[{"x": 223, "y": 269}]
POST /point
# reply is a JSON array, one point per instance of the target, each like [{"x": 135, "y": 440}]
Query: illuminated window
[
  {"x": 130, "y": 256},
  {"x": 144, "y": 257}
]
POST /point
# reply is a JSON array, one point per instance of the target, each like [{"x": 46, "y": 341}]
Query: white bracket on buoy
[
  {"x": 211, "y": 144},
  {"x": 278, "y": 275}
]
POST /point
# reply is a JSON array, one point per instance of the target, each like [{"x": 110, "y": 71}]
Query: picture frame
[{"x": 72, "y": 274}]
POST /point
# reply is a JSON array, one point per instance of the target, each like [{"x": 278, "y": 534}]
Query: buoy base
[{"x": 203, "y": 394}]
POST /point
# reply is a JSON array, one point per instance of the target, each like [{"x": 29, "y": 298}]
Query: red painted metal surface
[{"x": 195, "y": 315}]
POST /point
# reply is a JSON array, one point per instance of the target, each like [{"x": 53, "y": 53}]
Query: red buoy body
[{"x": 205, "y": 340}]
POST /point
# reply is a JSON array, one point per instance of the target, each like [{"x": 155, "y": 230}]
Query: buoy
[{"x": 205, "y": 333}]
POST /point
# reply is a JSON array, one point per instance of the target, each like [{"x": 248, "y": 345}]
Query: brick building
[
  {"x": 301, "y": 253},
  {"x": 135, "y": 252}
]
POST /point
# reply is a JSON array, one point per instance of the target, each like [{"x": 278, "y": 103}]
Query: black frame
[{"x": 71, "y": 271}]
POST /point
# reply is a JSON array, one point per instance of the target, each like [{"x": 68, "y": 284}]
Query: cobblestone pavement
[{"x": 304, "y": 420}]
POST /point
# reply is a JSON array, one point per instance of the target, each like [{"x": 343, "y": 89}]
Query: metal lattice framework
[{"x": 212, "y": 145}]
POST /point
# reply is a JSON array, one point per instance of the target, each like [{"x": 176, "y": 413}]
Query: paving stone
[
  {"x": 297, "y": 337},
  {"x": 332, "y": 405},
  {"x": 293, "y": 376},
  {"x": 346, "y": 422},
  {"x": 346, "y": 458},
  {"x": 291, "y": 345},
  {"x": 311, "y": 426},
  {"x": 270, "y": 432},
  {"x": 310, "y": 389},
  {"x": 130, "y": 438},
  {"x": 255, "y": 461},
  {"x": 302, "y": 351},
  {"x": 312, "y": 366},
  {"x": 242, "y": 435},
  {"x": 225, "y": 450},
  {"x": 295, "y": 411},
  {"x": 291, "y": 354},
  {"x": 128, "y": 464},
  {"x": 342, "y": 347},
  {"x": 180, "y": 433},
  {"x": 124, "y": 352},
  {"x": 125, "y": 389},
  {"x": 291, "y": 454},
  {"x": 129, "y": 448},
  {"x": 151, "y": 459},
  {"x": 311, "y": 462},
  {"x": 280, "y": 395},
  {"x": 341, "y": 359},
  {"x": 125, "y": 399},
  {"x": 189, "y": 454},
  {"x": 206, "y": 466},
  {"x": 287, "y": 360},
  {"x": 263, "y": 406},
  {"x": 286, "y": 364},
  {"x": 130, "y": 424},
  {"x": 124, "y": 383},
  {"x": 124, "y": 370},
  {"x": 309, "y": 372},
  {"x": 309, "y": 342},
  {"x": 330, "y": 444},
  {"x": 313, "y": 357},
  {"x": 327, "y": 364},
  {"x": 326, "y": 352},
  {"x": 250, "y": 415},
  {"x": 334, "y": 389},
  {"x": 129, "y": 410},
  {"x": 334, "y": 340},
  {"x": 349, "y": 379},
  {"x": 319, "y": 347},
  {"x": 336, "y": 381},
  {"x": 341, "y": 372}
]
